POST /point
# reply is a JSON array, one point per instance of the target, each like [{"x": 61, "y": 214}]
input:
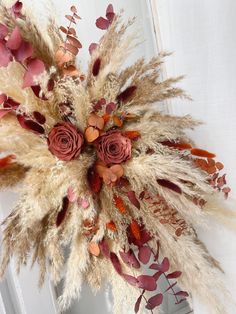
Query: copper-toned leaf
[
  {"x": 62, "y": 56},
  {"x": 147, "y": 282},
  {"x": 202, "y": 153},
  {"x": 106, "y": 117},
  {"x": 62, "y": 213},
  {"x": 39, "y": 117},
  {"x": 174, "y": 275},
  {"x": 70, "y": 18},
  {"x": 126, "y": 94},
  {"x": 73, "y": 9},
  {"x": 71, "y": 31},
  {"x": 96, "y": 121},
  {"x": 34, "y": 126},
  {"x": 102, "y": 23},
  {"x": 71, "y": 48},
  {"x": 133, "y": 135},
  {"x": 169, "y": 185},
  {"x": 74, "y": 42},
  {"x": 93, "y": 248},
  {"x": 118, "y": 170},
  {"x": 91, "y": 134},
  {"x": 117, "y": 121},
  {"x": 219, "y": 166},
  {"x": 133, "y": 199},
  {"x": 116, "y": 263},
  {"x": 96, "y": 67},
  {"x": 144, "y": 254},
  {"x": 130, "y": 279},
  {"x": 111, "y": 226},
  {"x": 15, "y": 39},
  {"x": 92, "y": 47},
  {"x": 137, "y": 304},
  {"x": 71, "y": 70},
  {"x": 130, "y": 258},
  {"x": 178, "y": 232},
  {"x": 63, "y": 29},
  {"x": 154, "y": 301}
]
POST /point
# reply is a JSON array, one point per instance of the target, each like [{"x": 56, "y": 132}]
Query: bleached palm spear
[{"x": 100, "y": 170}]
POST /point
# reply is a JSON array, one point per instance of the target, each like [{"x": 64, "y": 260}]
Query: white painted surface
[{"x": 202, "y": 36}]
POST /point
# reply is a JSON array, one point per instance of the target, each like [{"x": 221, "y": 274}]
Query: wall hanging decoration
[{"x": 102, "y": 173}]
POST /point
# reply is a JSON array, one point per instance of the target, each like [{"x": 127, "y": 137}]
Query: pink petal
[
  {"x": 154, "y": 301},
  {"x": 92, "y": 47},
  {"x": 102, "y": 23},
  {"x": 35, "y": 68},
  {"x": 4, "y": 112},
  {"x": 24, "y": 52},
  {"x": 5, "y": 55},
  {"x": 3, "y": 98},
  {"x": 3, "y": 31},
  {"x": 144, "y": 254},
  {"x": 15, "y": 39},
  {"x": 110, "y": 13},
  {"x": 147, "y": 282},
  {"x": 83, "y": 202},
  {"x": 16, "y": 9},
  {"x": 71, "y": 195}
]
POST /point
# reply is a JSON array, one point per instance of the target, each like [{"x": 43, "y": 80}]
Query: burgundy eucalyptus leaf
[
  {"x": 174, "y": 275},
  {"x": 104, "y": 248},
  {"x": 116, "y": 263},
  {"x": 24, "y": 52},
  {"x": 15, "y": 39},
  {"x": 92, "y": 48},
  {"x": 137, "y": 304},
  {"x": 102, "y": 23},
  {"x": 154, "y": 266},
  {"x": 133, "y": 199},
  {"x": 144, "y": 254},
  {"x": 10, "y": 103},
  {"x": 154, "y": 301},
  {"x": 5, "y": 55},
  {"x": 126, "y": 94},
  {"x": 96, "y": 67},
  {"x": 3, "y": 31},
  {"x": 62, "y": 213},
  {"x": 157, "y": 275},
  {"x": 21, "y": 119},
  {"x": 39, "y": 117},
  {"x": 130, "y": 258},
  {"x": 37, "y": 91},
  {"x": 182, "y": 294},
  {"x": 171, "y": 286},
  {"x": 110, "y": 107},
  {"x": 34, "y": 126},
  {"x": 147, "y": 282},
  {"x": 130, "y": 279},
  {"x": 169, "y": 185},
  {"x": 35, "y": 67}
]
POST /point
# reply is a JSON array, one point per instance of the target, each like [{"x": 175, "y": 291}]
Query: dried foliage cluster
[{"x": 100, "y": 171}]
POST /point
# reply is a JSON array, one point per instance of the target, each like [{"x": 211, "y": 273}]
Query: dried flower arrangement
[{"x": 101, "y": 171}]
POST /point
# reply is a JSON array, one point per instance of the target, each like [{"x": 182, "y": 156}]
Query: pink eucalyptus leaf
[
  {"x": 35, "y": 67},
  {"x": 130, "y": 258},
  {"x": 154, "y": 266},
  {"x": 3, "y": 31},
  {"x": 130, "y": 279},
  {"x": 147, "y": 282},
  {"x": 133, "y": 199},
  {"x": 144, "y": 254},
  {"x": 164, "y": 266},
  {"x": 116, "y": 263},
  {"x": 104, "y": 248},
  {"x": 3, "y": 98},
  {"x": 16, "y": 9},
  {"x": 5, "y": 55},
  {"x": 174, "y": 275},
  {"x": 137, "y": 304},
  {"x": 110, "y": 107},
  {"x": 71, "y": 194},
  {"x": 24, "y": 52},
  {"x": 110, "y": 15},
  {"x": 92, "y": 48},
  {"x": 102, "y": 23},
  {"x": 154, "y": 301},
  {"x": 182, "y": 294},
  {"x": 157, "y": 275},
  {"x": 4, "y": 112},
  {"x": 15, "y": 39}
]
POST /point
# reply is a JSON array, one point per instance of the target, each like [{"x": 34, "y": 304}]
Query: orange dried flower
[
  {"x": 5, "y": 161},
  {"x": 133, "y": 135},
  {"x": 135, "y": 229},
  {"x": 119, "y": 203},
  {"x": 111, "y": 226},
  {"x": 202, "y": 153}
]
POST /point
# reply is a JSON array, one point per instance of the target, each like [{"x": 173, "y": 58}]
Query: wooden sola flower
[{"x": 118, "y": 183}]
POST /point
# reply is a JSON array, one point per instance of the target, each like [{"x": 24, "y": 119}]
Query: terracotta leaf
[
  {"x": 202, "y": 153},
  {"x": 70, "y": 18},
  {"x": 91, "y": 134},
  {"x": 74, "y": 42},
  {"x": 94, "y": 248},
  {"x": 96, "y": 121}
]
